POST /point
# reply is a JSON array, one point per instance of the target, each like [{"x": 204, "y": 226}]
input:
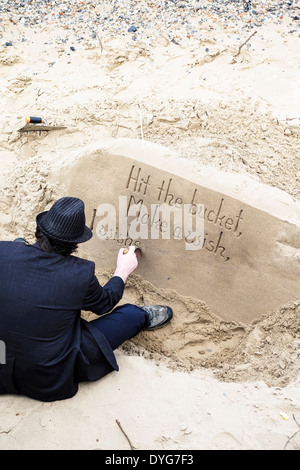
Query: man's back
[{"x": 41, "y": 296}]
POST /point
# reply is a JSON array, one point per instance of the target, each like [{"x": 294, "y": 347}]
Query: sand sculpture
[{"x": 234, "y": 246}]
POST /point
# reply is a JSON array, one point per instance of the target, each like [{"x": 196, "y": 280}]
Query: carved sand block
[{"x": 228, "y": 241}]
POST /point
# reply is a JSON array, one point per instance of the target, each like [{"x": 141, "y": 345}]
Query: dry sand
[{"x": 200, "y": 383}]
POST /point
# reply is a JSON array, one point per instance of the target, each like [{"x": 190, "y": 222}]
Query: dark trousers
[{"x": 122, "y": 323}]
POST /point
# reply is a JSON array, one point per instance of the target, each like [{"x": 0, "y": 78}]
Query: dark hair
[{"x": 49, "y": 245}]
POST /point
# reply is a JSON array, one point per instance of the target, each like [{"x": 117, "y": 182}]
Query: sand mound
[{"x": 265, "y": 349}]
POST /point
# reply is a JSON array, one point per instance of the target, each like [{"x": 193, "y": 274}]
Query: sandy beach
[{"x": 214, "y": 85}]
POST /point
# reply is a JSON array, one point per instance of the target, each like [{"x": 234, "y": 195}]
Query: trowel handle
[{"x": 34, "y": 120}]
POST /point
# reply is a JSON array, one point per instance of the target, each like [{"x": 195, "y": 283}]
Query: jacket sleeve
[{"x": 100, "y": 299}]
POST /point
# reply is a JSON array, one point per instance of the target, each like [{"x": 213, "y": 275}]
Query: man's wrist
[{"x": 122, "y": 273}]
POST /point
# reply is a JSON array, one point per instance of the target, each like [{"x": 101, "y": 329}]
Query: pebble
[{"x": 177, "y": 20}]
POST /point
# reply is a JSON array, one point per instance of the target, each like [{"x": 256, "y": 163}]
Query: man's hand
[{"x": 126, "y": 263}]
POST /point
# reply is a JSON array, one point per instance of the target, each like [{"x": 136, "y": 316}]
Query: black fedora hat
[{"x": 65, "y": 221}]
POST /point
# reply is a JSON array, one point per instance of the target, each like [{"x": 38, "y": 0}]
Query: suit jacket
[{"x": 49, "y": 347}]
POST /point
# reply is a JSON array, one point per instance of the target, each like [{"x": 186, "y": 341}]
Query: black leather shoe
[{"x": 159, "y": 316}]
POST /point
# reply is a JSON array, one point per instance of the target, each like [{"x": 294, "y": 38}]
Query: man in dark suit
[{"x": 49, "y": 347}]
